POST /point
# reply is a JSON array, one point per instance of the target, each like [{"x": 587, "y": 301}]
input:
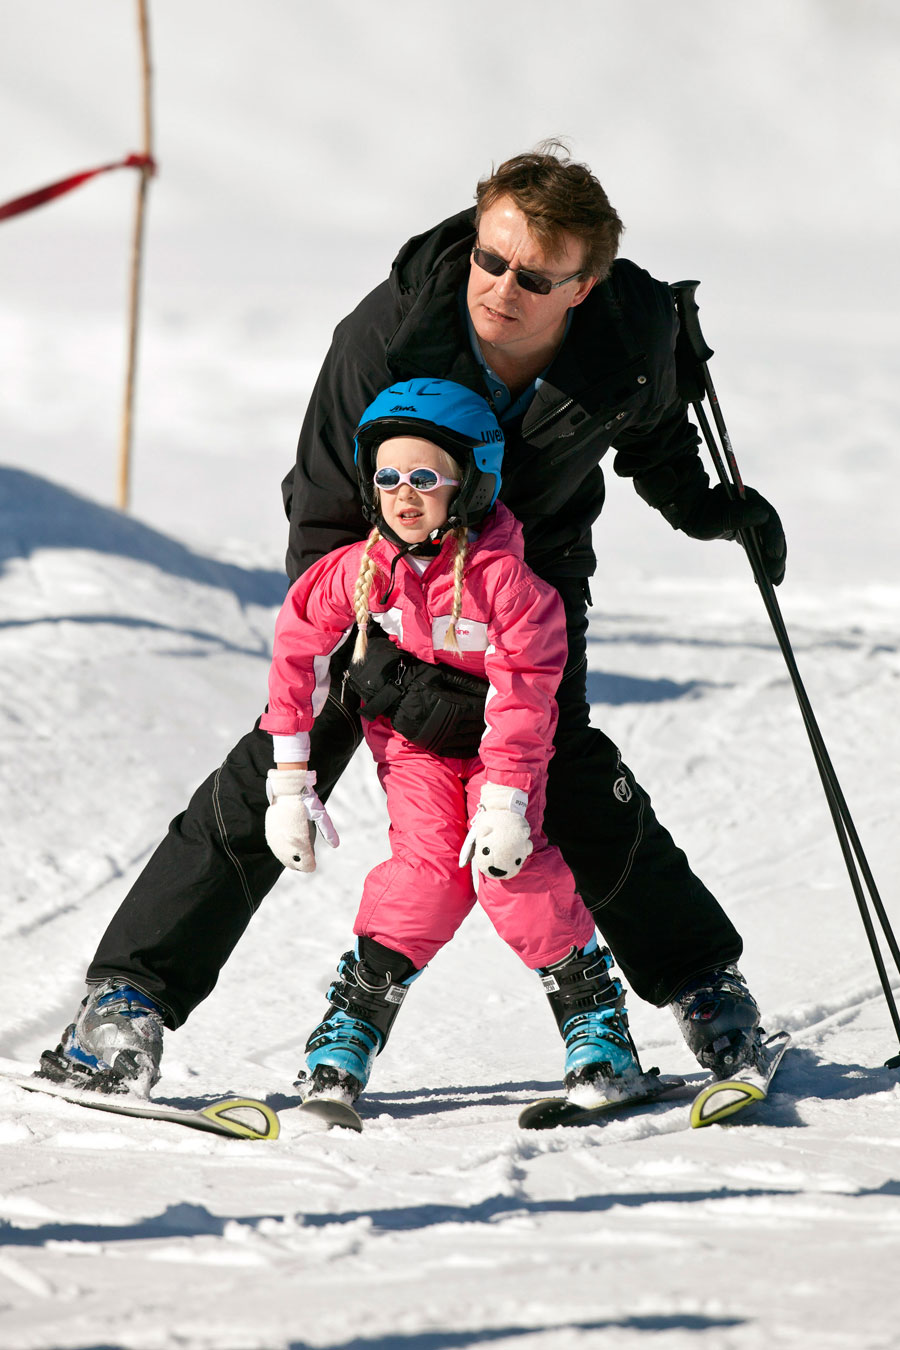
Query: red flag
[{"x": 46, "y": 194}]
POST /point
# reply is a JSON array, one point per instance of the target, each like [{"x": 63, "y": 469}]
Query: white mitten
[
  {"x": 295, "y": 808},
  {"x": 499, "y": 835}
]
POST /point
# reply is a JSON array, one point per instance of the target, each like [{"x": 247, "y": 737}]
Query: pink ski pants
[{"x": 415, "y": 901}]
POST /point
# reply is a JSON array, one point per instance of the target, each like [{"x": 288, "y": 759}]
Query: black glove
[{"x": 717, "y": 516}]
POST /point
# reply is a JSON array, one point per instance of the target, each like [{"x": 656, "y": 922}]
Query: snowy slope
[
  {"x": 442, "y": 1220},
  {"x": 753, "y": 147}
]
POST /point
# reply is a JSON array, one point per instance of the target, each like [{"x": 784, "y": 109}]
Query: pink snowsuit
[{"x": 512, "y": 631}]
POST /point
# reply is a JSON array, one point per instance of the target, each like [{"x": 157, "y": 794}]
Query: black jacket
[{"x": 611, "y": 384}]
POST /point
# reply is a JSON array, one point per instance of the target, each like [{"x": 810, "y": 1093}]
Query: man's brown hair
[{"x": 557, "y": 196}]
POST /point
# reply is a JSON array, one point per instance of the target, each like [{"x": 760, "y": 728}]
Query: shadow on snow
[
  {"x": 195, "y": 1221},
  {"x": 38, "y": 514},
  {"x": 458, "y": 1340},
  {"x": 616, "y": 689}
]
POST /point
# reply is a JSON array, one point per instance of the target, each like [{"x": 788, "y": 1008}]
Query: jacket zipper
[{"x": 549, "y": 416}]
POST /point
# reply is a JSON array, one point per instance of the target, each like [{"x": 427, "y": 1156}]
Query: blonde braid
[
  {"x": 459, "y": 566},
  {"x": 368, "y": 569}
]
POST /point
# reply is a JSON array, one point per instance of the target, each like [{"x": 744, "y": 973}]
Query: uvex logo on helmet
[{"x": 451, "y": 416}]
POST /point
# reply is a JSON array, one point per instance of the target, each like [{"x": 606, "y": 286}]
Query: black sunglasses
[{"x": 529, "y": 281}]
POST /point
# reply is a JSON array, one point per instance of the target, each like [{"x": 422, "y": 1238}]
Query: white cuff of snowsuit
[{"x": 291, "y": 749}]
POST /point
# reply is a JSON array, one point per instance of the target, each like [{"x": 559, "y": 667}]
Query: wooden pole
[{"x": 137, "y": 254}]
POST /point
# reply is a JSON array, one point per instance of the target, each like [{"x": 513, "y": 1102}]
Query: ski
[
  {"x": 234, "y": 1117},
  {"x": 550, "y": 1112},
  {"x": 332, "y": 1112},
  {"x": 726, "y": 1096}
]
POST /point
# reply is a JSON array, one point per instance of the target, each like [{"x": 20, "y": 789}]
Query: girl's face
[{"x": 413, "y": 515}]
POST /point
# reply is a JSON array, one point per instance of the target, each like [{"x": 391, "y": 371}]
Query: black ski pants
[{"x": 187, "y": 910}]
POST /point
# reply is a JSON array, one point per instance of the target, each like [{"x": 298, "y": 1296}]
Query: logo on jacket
[{"x": 622, "y": 789}]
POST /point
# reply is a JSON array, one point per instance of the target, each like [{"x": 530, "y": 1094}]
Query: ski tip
[
  {"x": 721, "y": 1100},
  {"x": 244, "y": 1118}
]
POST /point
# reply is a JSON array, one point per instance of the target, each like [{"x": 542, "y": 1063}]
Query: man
[{"x": 520, "y": 299}]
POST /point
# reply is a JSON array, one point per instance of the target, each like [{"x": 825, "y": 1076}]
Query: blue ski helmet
[{"x": 453, "y": 417}]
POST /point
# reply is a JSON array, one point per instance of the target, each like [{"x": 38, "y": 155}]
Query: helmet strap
[{"x": 427, "y": 548}]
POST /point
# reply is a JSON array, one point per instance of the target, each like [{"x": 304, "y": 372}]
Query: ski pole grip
[{"x": 689, "y": 314}]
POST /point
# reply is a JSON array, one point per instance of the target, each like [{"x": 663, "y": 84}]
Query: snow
[{"x": 754, "y": 147}]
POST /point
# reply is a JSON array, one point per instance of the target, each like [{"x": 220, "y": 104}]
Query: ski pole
[{"x": 695, "y": 383}]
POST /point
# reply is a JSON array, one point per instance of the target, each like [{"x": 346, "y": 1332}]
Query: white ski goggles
[{"x": 423, "y": 480}]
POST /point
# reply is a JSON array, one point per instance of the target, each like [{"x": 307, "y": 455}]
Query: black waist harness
[{"x": 436, "y": 707}]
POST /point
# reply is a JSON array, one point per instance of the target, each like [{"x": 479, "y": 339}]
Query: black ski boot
[
  {"x": 365, "y": 999},
  {"x": 719, "y": 1019},
  {"x": 589, "y": 1006}
]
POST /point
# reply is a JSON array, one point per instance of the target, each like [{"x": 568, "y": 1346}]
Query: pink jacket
[{"x": 511, "y": 630}]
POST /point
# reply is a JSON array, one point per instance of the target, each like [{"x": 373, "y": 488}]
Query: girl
[{"x": 428, "y": 456}]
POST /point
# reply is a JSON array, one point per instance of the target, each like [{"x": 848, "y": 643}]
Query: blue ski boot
[
  {"x": 719, "y": 1019},
  {"x": 365, "y": 999},
  {"x": 115, "y": 1043},
  {"x": 589, "y": 1006}
]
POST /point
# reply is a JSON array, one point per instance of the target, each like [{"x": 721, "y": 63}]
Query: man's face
[
  {"x": 413, "y": 515},
  {"x": 514, "y": 322}
]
